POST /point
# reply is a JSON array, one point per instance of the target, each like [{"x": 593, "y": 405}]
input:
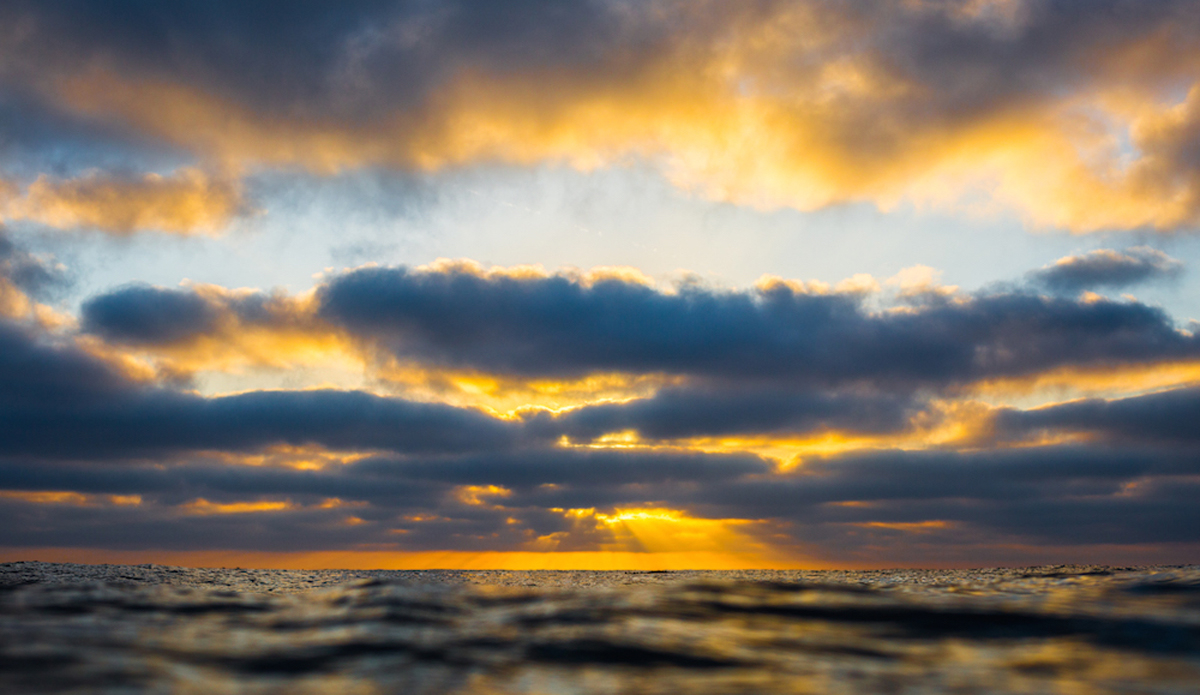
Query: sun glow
[{"x": 656, "y": 530}]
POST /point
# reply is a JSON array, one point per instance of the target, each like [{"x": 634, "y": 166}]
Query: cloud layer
[
  {"x": 1081, "y": 116},
  {"x": 533, "y": 324},
  {"x": 813, "y": 425}
]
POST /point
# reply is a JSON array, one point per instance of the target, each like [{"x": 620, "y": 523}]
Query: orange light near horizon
[
  {"x": 656, "y": 530},
  {"x": 406, "y": 560}
]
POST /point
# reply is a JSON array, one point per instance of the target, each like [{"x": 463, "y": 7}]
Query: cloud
[
  {"x": 523, "y": 336},
  {"x": 556, "y": 325},
  {"x": 1106, "y": 268},
  {"x": 24, "y": 278},
  {"x": 1068, "y": 113},
  {"x": 60, "y": 401},
  {"x": 1050, "y": 496},
  {"x": 725, "y": 409},
  {"x": 538, "y": 471},
  {"x": 206, "y": 327},
  {"x": 1012, "y": 475},
  {"x": 481, "y": 502},
  {"x": 143, "y": 314},
  {"x": 896, "y": 506},
  {"x": 1166, "y": 418},
  {"x": 188, "y": 201},
  {"x": 32, "y": 274},
  {"x": 91, "y": 457}
]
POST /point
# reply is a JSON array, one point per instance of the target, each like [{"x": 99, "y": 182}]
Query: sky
[{"x": 600, "y": 284}]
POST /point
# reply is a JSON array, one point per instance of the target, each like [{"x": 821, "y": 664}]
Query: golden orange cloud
[
  {"x": 13, "y": 302},
  {"x": 188, "y": 201},
  {"x": 509, "y": 396},
  {"x": 307, "y": 457},
  {"x": 68, "y": 497},
  {"x": 943, "y": 424},
  {"x": 202, "y": 507},
  {"x": 770, "y": 111},
  {"x": 283, "y": 336},
  {"x": 1067, "y": 383},
  {"x": 480, "y": 495}
]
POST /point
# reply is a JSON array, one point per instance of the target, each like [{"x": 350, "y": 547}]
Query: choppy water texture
[{"x": 118, "y": 629}]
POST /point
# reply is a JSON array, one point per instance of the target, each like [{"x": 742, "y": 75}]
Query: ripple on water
[{"x": 110, "y": 629}]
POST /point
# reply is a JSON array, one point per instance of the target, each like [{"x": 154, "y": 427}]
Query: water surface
[{"x": 154, "y": 629}]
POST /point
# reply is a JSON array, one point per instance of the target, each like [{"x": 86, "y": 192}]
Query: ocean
[{"x": 154, "y": 629}]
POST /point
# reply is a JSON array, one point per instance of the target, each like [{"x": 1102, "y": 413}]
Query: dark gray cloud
[
  {"x": 1051, "y": 496},
  {"x": 585, "y": 468},
  {"x": 36, "y": 373},
  {"x": 406, "y": 482},
  {"x": 1165, "y": 418},
  {"x": 63, "y": 413},
  {"x": 301, "y": 58},
  {"x": 359, "y": 59},
  {"x": 1007, "y": 476},
  {"x": 560, "y": 326},
  {"x": 141, "y": 314},
  {"x": 1044, "y": 495},
  {"x": 58, "y": 401},
  {"x": 36, "y": 138},
  {"x": 557, "y": 326},
  {"x": 159, "y": 423},
  {"x": 385, "y": 493},
  {"x": 1104, "y": 268},
  {"x": 41, "y": 278},
  {"x": 725, "y": 409},
  {"x": 146, "y": 316}
]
